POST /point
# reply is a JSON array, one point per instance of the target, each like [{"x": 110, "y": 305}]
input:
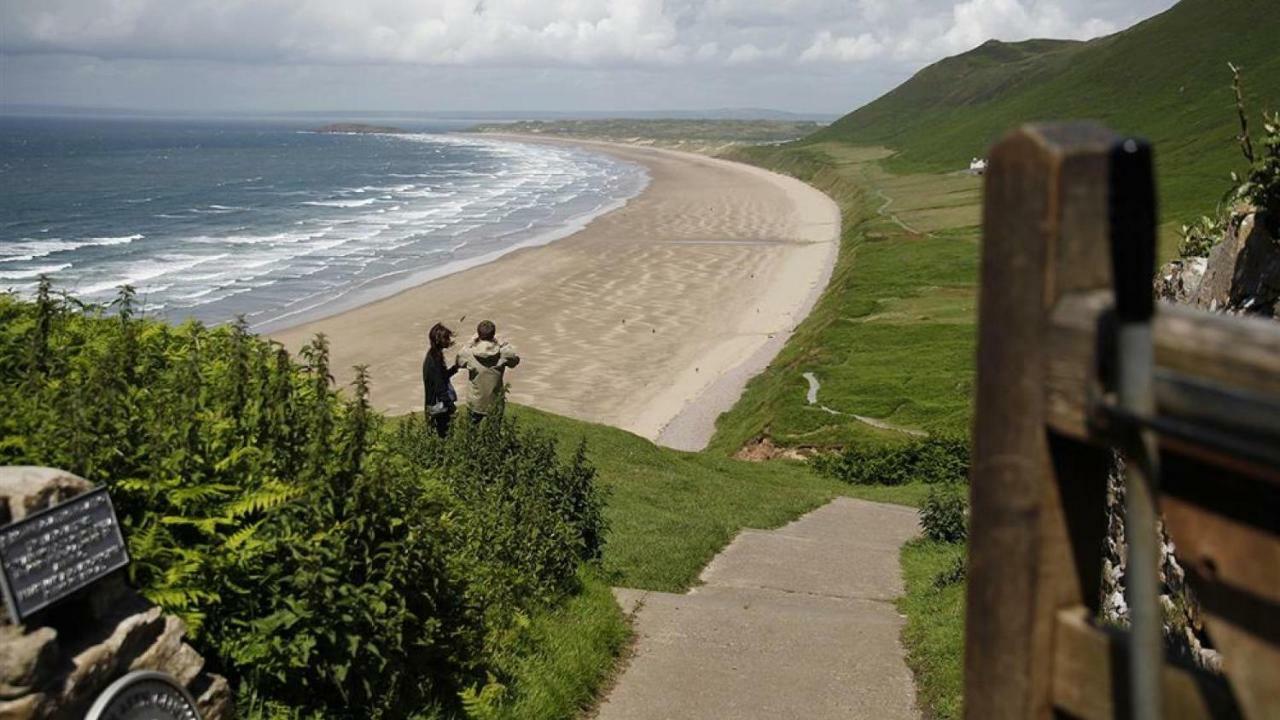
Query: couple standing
[{"x": 485, "y": 360}]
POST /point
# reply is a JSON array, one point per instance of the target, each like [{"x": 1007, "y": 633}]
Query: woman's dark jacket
[{"x": 435, "y": 380}]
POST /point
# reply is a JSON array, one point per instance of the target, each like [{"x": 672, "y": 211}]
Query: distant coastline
[{"x": 360, "y": 128}]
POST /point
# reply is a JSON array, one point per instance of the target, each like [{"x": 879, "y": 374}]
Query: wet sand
[{"x": 651, "y": 319}]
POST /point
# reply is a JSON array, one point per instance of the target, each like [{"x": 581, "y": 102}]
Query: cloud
[
  {"x": 842, "y": 49},
  {"x": 976, "y": 21},
  {"x": 797, "y": 54},
  {"x": 748, "y": 53},
  {"x": 538, "y": 33},
  {"x": 441, "y": 32}
]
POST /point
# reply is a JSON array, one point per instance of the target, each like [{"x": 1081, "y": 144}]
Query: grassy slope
[
  {"x": 568, "y": 655},
  {"x": 934, "y": 635},
  {"x": 1165, "y": 78},
  {"x": 892, "y": 337},
  {"x": 670, "y": 512}
]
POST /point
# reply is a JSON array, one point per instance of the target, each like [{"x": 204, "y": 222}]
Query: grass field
[
  {"x": 567, "y": 656},
  {"x": 892, "y": 338},
  {"x": 670, "y": 512},
  {"x": 934, "y": 636}
]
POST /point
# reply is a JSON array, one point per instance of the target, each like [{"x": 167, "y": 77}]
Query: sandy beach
[{"x": 651, "y": 319}]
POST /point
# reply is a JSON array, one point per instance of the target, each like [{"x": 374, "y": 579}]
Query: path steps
[{"x": 797, "y": 622}]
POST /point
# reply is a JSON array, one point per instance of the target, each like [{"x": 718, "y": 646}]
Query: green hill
[{"x": 1165, "y": 78}]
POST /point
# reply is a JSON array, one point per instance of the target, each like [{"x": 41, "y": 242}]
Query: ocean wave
[
  {"x": 340, "y": 203},
  {"x": 28, "y": 249},
  {"x": 115, "y": 240},
  {"x": 33, "y": 273},
  {"x": 140, "y": 272}
]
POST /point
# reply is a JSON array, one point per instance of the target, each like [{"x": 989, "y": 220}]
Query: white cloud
[
  {"x": 441, "y": 32},
  {"x": 753, "y": 49},
  {"x": 541, "y": 33},
  {"x": 975, "y": 21},
  {"x": 842, "y": 49},
  {"x": 748, "y": 53}
]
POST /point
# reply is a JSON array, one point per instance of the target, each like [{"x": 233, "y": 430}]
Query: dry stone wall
[
  {"x": 54, "y": 665},
  {"x": 1240, "y": 276}
]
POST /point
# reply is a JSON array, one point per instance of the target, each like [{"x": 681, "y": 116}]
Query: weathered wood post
[
  {"x": 1037, "y": 498},
  {"x": 1051, "y": 403}
]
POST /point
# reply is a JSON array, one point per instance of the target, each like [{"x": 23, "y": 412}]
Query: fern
[{"x": 269, "y": 496}]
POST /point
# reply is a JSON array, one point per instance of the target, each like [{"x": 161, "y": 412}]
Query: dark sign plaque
[
  {"x": 52, "y": 553},
  {"x": 144, "y": 695}
]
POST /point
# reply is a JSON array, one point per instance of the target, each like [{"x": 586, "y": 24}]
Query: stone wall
[
  {"x": 1240, "y": 276},
  {"x": 54, "y": 666}
]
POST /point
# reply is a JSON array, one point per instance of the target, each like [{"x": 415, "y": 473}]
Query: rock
[
  {"x": 213, "y": 699},
  {"x": 54, "y": 671},
  {"x": 26, "y": 659},
  {"x": 1179, "y": 280},
  {"x": 25, "y": 490},
  {"x": 96, "y": 666},
  {"x": 170, "y": 655},
  {"x": 1243, "y": 271},
  {"x": 25, "y": 708}
]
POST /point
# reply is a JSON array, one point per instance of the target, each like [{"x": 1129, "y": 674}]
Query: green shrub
[
  {"x": 1258, "y": 187},
  {"x": 930, "y": 460},
  {"x": 954, "y": 574},
  {"x": 944, "y": 514},
  {"x": 332, "y": 563}
]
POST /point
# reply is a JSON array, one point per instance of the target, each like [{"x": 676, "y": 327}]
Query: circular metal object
[{"x": 144, "y": 695}]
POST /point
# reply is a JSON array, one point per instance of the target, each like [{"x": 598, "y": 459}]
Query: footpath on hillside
[{"x": 793, "y": 622}]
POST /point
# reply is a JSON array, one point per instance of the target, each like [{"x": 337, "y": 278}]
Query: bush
[
  {"x": 1258, "y": 188},
  {"x": 930, "y": 460},
  {"x": 332, "y": 562},
  {"x": 955, "y": 573},
  {"x": 944, "y": 514}
]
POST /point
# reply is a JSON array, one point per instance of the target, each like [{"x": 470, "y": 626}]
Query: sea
[{"x": 272, "y": 221}]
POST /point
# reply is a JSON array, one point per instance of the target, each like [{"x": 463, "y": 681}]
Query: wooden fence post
[{"x": 1037, "y": 499}]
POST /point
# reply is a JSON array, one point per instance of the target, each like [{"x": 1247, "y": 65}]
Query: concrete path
[{"x": 797, "y": 622}]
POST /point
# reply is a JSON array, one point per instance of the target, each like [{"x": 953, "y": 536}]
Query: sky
[{"x": 810, "y": 56}]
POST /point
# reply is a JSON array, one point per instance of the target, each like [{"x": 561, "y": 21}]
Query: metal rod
[
  {"x": 1133, "y": 246},
  {"x": 1142, "y": 580}
]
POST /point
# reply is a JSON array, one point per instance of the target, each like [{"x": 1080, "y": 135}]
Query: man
[{"x": 486, "y": 361}]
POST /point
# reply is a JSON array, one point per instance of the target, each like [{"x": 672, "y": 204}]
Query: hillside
[{"x": 1165, "y": 78}]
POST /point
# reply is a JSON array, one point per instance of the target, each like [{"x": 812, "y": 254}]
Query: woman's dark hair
[{"x": 440, "y": 337}]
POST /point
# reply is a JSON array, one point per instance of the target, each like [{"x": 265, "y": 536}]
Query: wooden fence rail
[{"x": 1043, "y": 437}]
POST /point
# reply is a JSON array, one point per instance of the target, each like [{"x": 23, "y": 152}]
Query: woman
[{"x": 440, "y": 398}]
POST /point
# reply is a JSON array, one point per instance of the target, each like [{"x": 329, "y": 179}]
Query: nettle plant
[
  {"x": 1257, "y": 189},
  {"x": 333, "y": 562}
]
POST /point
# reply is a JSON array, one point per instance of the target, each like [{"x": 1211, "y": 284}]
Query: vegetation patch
[
  {"x": 670, "y": 512},
  {"x": 929, "y": 460},
  {"x": 332, "y": 563},
  {"x": 934, "y": 634},
  {"x": 892, "y": 338}
]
